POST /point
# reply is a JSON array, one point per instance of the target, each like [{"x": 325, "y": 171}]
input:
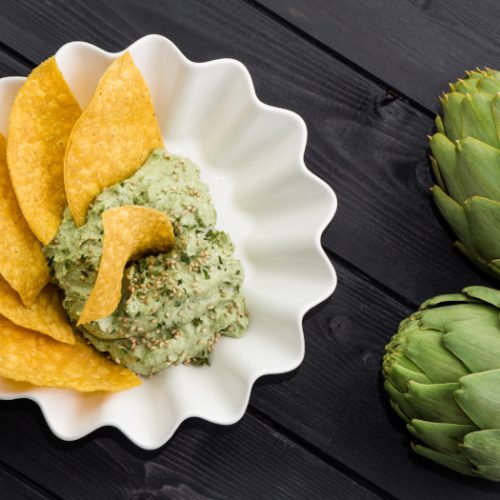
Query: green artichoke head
[
  {"x": 442, "y": 374},
  {"x": 466, "y": 163}
]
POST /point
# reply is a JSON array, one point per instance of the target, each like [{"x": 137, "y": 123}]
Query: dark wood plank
[
  {"x": 416, "y": 47},
  {"x": 10, "y": 65},
  {"x": 15, "y": 489},
  {"x": 368, "y": 144},
  {"x": 336, "y": 400},
  {"x": 245, "y": 461}
]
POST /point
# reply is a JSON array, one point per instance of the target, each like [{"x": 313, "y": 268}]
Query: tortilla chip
[
  {"x": 129, "y": 232},
  {"x": 40, "y": 123},
  {"x": 46, "y": 315},
  {"x": 22, "y": 262},
  {"x": 112, "y": 138},
  {"x": 27, "y": 356}
]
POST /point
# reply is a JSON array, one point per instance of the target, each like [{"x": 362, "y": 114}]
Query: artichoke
[
  {"x": 466, "y": 163},
  {"x": 442, "y": 374}
]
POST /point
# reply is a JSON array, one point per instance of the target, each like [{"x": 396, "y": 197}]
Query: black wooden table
[{"x": 365, "y": 75}]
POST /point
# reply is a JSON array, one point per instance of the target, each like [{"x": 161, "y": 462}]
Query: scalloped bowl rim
[{"x": 329, "y": 212}]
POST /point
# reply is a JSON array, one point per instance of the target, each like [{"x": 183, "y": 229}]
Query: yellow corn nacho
[
  {"x": 46, "y": 315},
  {"x": 112, "y": 138},
  {"x": 40, "y": 122},
  {"x": 28, "y": 356},
  {"x": 22, "y": 262},
  {"x": 129, "y": 232}
]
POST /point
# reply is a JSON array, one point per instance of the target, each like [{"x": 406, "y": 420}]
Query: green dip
[{"x": 174, "y": 305}]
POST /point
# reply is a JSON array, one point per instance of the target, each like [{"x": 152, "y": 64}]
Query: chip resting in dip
[{"x": 175, "y": 304}]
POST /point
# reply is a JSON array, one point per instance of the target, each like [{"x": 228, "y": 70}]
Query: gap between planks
[
  {"x": 333, "y": 53},
  {"x": 22, "y": 478},
  {"x": 325, "y": 457},
  {"x": 17, "y": 56}
]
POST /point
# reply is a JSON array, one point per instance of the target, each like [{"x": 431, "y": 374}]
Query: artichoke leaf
[
  {"x": 437, "y": 173},
  {"x": 407, "y": 325},
  {"x": 440, "y": 318},
  {"x": 490, "y": 472},
  {"x": 442, "y": 437},
  {"x": 398, "y": 401},
  {"x": 465, "y": 86},
  {"x": 496, "y": 111},
  {"x": 453, "y": 462},
  {"x": 489, "y": 85},
  {"x": 478, "y": 167},
  {"x": 473, "y": 256},
  {"x": 448, "y": 298},
  {"x": 452, "y": 114},
  {"x": 436, "y": 402},
  {"x": 397, "y": 410},
  {"x": 400, "y": 376},
  {"x": 479, "y": 398},
  {"x": 426, "y": 350},
  {"x": 494, "y": 268},
  {"x": 475, "y": 74},
  {"x": 444, "y": 152},
  {"x": 439, "y": 124},
  {"x": 483, "y": 447},
  {"x": 484, "y": 294},
  {"x": 397, "y": 357},
  {"x": 454, "y": 214},
  {"x": 483, "y": 216},
  {"x": 477, "y": 118},
  {"x": 476, "y": 342},
  {"x": 492, "y": 73}
]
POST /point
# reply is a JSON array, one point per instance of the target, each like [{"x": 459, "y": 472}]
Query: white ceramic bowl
[{"x": 251, "y": 156}]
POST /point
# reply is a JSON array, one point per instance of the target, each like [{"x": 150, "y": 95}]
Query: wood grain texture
[
  {"x": 415, "y": 46},
  {"x": 369, "y": 145},
  {"x": 12, "y": 488},
  {"x": 336, "y": 400},
  {"x": 245, "y": 461}
]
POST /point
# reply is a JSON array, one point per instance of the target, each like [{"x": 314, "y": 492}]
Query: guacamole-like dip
[{"x": 174, "y": 305}]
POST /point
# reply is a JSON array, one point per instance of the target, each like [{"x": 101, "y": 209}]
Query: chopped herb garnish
[
  {"x": 200, "y": 361},
  {"x": 185, "y": 258},
  {"x": 211, "y": 235}
]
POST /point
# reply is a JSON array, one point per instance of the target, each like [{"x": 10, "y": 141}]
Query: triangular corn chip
[
  {"x": 28, "y": 356},
  {"x": 46, "y": 315},
  {"x": 113, "y": 137},
  {"x": 40, "y": 123},
  {"x": 129, "y": 232},
  {"x": 22, "y": 262}
]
